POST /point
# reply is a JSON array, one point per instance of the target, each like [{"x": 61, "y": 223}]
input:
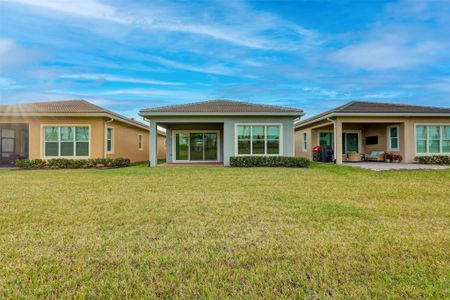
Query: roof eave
[
  {"x": 331, "y": 115},
  {"x": 193, "y": 114},
  {"x": 24, "y": 114}
]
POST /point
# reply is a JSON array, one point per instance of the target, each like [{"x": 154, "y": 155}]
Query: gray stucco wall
[{"x": 228, "y": 134}]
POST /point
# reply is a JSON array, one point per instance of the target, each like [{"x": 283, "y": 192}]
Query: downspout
[
  {"x": 106, "y": 138},
  {"x": 334, "y": 138}
]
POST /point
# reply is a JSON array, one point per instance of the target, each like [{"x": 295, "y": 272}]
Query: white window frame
[
  {"x": 188, "y": 132},
  {"x": 305, "y": 142},
  {"x": 42, "y": 128},
  {"x": 140, "y": 142},
  {"x": 390, "y": 138},
  {"x": 326, "y": 131},
  {"x": 112, "y": 139},
  {"x": 441, "y": 125},
  {"x": 280, "y": 141}
]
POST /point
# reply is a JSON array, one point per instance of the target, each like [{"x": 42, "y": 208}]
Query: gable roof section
[
  {"x": 363, "y": 108},
  {"x": 65, "y": 108},
  {"x": 221, "y": 107}
]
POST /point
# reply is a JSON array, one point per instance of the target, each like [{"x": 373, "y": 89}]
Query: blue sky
[{"x": 314, "y": 55}]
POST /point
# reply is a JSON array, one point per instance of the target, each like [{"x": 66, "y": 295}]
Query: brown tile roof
[
  {"x": 365, "y": 107},
  {"x": 63, "y": 107},
  {"x": 222, "y": 106}
]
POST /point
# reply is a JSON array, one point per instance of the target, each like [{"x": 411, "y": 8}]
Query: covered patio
[{"x": 13, "y": 142}]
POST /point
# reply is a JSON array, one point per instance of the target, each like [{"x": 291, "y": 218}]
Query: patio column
[
  {"x": 153, "y": 140},
  {"x": 338, "y": 141}
]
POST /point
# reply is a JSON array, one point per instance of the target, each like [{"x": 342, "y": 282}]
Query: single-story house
[
  {"x": 71, "y": 129},
  {"x": 369, "y": 127},
  {"x": 213, "y": 131}
]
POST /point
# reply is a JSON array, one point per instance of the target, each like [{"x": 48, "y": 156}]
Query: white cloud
[
  {"x": 12, "y": 55},
  {"x": 82, "y": 8},
  {"x": 215, "y": 69},
  {"x": 112, "y": 78}
]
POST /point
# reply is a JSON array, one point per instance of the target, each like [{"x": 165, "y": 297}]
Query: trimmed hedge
[
  {"x": 269, "y": 161},
  {"x": 64, "y": 163},
  {"x": 434, "y": 160}
]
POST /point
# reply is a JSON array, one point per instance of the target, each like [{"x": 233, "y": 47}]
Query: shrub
[
  {"x": 64, "y": 163},
  {"x": 269, "y": 161},
  {"x": 434, "y": 160}
]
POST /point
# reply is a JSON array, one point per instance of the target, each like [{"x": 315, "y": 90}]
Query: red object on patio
[{"x": 317, "y": 149}]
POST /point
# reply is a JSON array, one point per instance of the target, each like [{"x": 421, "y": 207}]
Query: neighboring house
[
  {"x": 213, "y": 131},
  {"x": 70, "y": 129},
  {"x": 364, "y": 127}
]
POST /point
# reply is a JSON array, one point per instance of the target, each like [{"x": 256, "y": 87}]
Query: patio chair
[
  {"x": 375, "y": 156},
  {"x": 353, "y": 156}
]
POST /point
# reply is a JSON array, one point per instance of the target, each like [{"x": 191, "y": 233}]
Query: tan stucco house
[
  {"x": 368, "y": 127},
  {"x": 213, "y": 131},
  {"x": 71, "y": 129}
]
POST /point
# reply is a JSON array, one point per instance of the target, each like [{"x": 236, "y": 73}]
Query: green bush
[
  {"x": 64, "y": 163},
  {"x": 434, "y": 160},
  {"x": 269, "y": 161}
]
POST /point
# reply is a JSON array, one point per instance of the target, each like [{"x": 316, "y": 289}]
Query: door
[
  {"x": 196, "y": 146},
  {"x": 350, "y": 142}
]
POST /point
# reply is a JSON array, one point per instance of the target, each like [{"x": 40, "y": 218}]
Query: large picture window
[
  {"x": 432, "y": 139},
  {"x": 258, "y": 139},
  {"x": 66, "y": 141}
]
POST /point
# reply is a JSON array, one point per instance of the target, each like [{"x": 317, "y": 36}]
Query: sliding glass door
[{"x": 196, "y": 146}]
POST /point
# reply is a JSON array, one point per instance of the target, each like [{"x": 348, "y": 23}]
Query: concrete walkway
[{"x": 381, "y": 166}]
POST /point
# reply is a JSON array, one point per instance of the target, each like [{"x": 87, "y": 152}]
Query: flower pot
[
  {"x": 387, "y": 160},
  {"x": 396, "y": 161}
]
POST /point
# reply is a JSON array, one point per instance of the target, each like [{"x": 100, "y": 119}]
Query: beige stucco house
[
  {"x": 367, "y": 127},
  {"x": 71, "y": 129}
]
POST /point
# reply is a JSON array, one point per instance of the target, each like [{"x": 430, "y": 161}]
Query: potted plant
[
  {"x": 396, "y": 158},
  {"x": 387, "y": 157}
]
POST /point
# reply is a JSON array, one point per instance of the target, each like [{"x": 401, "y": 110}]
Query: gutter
[{"x": 106, "y": 137}]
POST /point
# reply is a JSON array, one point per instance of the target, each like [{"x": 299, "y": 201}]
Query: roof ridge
[{"x": 220, "y": 100}]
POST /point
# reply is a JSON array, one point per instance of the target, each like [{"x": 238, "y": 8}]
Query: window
[
  {"x": 109, "y": 139},
  {"x": 258, "y": 139},
  {"x": 140, "y": 142},
  {"x": 393, "y": 139},
  {"x": 305, "y": 142},
  {"x": 66, "y": 141},
  {"x": 432, "y": 139},
  {"x": 326, "y": 139}
]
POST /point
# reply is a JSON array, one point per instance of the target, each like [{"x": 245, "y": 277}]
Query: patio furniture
[
  {"x": 375, "y": 156},
  {"x": 353, "y": 156}
]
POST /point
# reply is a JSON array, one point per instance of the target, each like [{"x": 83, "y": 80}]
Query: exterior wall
[
  {"x": 36, "y": 138},
  {"x": 372, "y": 126},
  {"x": 228, "y": 135},
  {"x": 125, "y": 142},
  {"x": 124, "y": 136}
]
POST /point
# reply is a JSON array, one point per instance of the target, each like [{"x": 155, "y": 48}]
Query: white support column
[
  {"x": 338, "y": 139},
  {"x": 153, "y": 144}
]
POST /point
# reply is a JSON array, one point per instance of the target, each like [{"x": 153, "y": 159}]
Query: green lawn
[{"x": 192, "y": 232}]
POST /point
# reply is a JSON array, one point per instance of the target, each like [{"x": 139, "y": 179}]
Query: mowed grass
[{"x": 210, "y": 232}]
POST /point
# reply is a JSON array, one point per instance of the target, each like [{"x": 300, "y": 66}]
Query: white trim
[
  {"x": 42, "y": 141},
  {"x": 304, "y": 142},
  {"x": 174, "y": 154},
  {"x": 112, "y": 140},
  {"x": 358, "y": 132},
  {"x": 280, "y": 144},
  {"x": 440, "y": 139},
  {"x": 140, "y": 141},
  {"x": 326, "y": 131},
  {"x": 389, "y": 138}
]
